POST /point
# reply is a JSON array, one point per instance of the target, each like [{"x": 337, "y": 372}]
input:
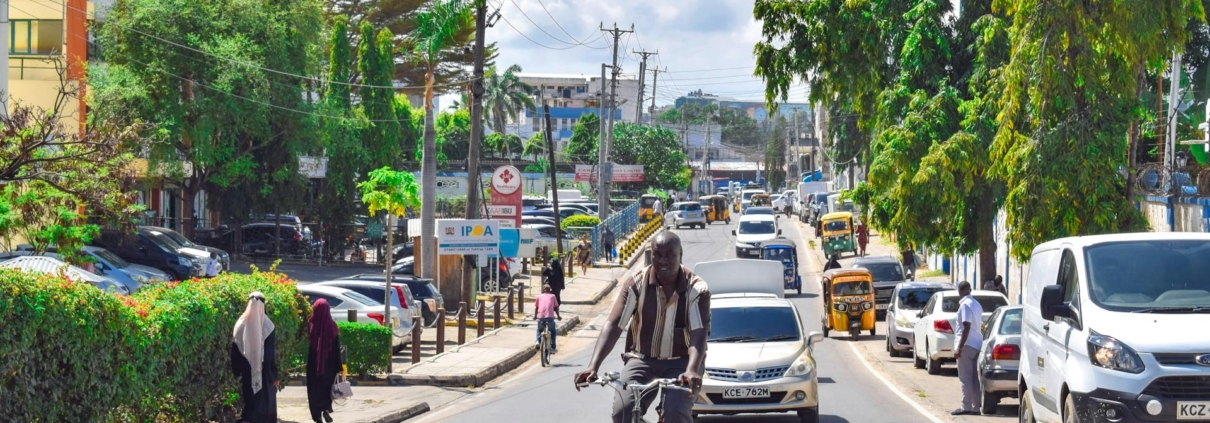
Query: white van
[{"x": 1115, "y": 329}]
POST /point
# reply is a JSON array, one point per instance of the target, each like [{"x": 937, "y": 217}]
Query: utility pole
[
  {"x": 604, "y": 145},
  {"x": 4, "y": 41},
  {"x": 655, "y": 78},
  {"x": 554, "y": 185},
  {"x": 1173, "y": 92},
  {"x": 638, "y": 110},
  {"x": 473, "y": 178},
  {"x": 602, "y": 158}
]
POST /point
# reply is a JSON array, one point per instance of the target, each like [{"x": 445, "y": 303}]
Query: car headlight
[
  {"x": 183, "y": 261},
  {"x": 842, "y": 307},
  {"x": 742, "y": 245},
  {"x": 804, "y": 365},
  {"x": 866, "y": 306},
  {"x": 1110, "y": 353},
  {"x": 789, "y": 279},
  {"x": 902, "y": 322}
]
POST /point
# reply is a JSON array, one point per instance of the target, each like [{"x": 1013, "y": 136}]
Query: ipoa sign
[{"x": 456, "y": 236}]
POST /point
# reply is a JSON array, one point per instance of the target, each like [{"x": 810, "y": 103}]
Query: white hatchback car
[
  {"x": 685, "y": 213},
  {"x": 760, "y": 358},
  {"x": 934, "y": 333}
]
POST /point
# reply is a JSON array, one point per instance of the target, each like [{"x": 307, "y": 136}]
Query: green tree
[
  {"x": 505, "y": 145},
  {"x": 657, "y": 149},
  {"x": 1066, "y": 108},
  {"x": 505, "y": 95},
  {"x": 411, "y": 127},
  {"x": 535, "y": 146},
  {"x": 775, "y": 155},
  {"x": 377, "y": 62},
  {"x": 437, "y": 29},
  {"x": 342, "y": 144},
  {"x": 230, "y": 111},
  {"x": 392, "y": 192},
  {"x": 453, "y": 135},
  {"x": 584, "y": 138}
]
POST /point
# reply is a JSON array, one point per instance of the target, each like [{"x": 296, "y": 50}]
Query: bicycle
[
  {"x": 544, "y": 347},
  {"x": 639, "y": 391}
]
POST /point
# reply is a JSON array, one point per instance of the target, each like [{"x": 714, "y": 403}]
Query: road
[{"x": 849, "y": 391}]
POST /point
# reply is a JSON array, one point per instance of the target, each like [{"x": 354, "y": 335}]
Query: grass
[
  {"x": 931, "y": 273},
  {"x": 920, "y": 393}
]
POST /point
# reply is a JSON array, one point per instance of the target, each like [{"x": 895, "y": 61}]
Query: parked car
[
  {"x": 887, "y": 272},
  {"x": 1000, "y": 357},
  {"x": 205, "y": 257},
  {"x": 761, "y": 357},
  {"x": 934, "y": 332},
  {"x": 402, "y": 250},
  {"x": 404, "y": 267},
  {"x": 286, "y": 219},
  {"x": 547, "y": 236},
  {"x": 907, "y": 299},
  {"x": 44, "y": 264},
  {"x": 224, "y": 259},
  {"x": 422, "y": 289},
  {"x": 537, "y": 220},
  {"x": 402, "y": 297},
  {"x": 259, "y": 239},
  {"x": 753, "y": 230},
  {"x": 1115, "y": 328},
  {"x": 154, "y": 251},
  {"x": 108, "y": 264},
  {"x": 686, "y": 213},
  {"x": 368, "y": 310},
  {"x": 768, "y": 211}
]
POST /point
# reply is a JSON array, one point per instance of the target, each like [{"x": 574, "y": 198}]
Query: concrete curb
[
  {"x": 481, "y": 378},
  {"x": 600, "y": 295},
  {"x": 400, "y": 415}
]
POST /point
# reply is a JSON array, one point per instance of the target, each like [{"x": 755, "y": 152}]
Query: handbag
[{"x": 341, "y": 389}]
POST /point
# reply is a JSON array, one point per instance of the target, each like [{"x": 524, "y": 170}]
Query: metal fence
[{"x": 621, "y": 222}]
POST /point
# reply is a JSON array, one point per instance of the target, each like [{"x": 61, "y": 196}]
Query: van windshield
[
  {"x": 1168, "y": 276},
  {"x": 757, "y": 227}
]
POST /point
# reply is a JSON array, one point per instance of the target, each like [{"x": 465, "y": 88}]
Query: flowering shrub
[{"x": 365, "y": 345}]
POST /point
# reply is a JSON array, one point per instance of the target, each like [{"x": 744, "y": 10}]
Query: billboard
[
  {"x": 459, "y": 236},
  {"x": 621, "y": 173}
]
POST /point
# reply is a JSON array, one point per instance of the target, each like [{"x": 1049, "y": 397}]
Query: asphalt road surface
[{"x": 849, "y": 392}]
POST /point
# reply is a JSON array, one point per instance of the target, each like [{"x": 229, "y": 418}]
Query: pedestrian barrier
[
  {"x": 479, "y": 315},
  {"x": 511, "y": 292},
  {"x": 621, "y": 222},
  {"x": 440, "y": 330},
  {"x": 632, "y": 245},
  {"x": 416, "y": 325}
]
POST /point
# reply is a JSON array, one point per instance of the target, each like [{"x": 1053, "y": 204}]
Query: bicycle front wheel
[{"x": 545, "y": 349}]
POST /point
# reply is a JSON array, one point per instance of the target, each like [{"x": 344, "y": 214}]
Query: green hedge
[
  {"x": 69, "y": 352},
  {"x": 579, "y": 221},
  {"x": 366, "y": 350}
]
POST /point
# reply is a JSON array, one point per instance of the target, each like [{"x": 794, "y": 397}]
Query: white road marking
[{"x": 919, "y": 408}]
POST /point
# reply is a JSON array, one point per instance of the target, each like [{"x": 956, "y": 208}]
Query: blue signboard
[{"x": 510, "y": 242}]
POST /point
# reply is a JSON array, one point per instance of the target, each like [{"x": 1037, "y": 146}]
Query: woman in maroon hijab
[{"x": 323, "y": 360}]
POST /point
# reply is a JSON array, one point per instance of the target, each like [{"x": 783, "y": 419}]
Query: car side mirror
[
  {"x": 733, "y": 232},
  {"x": 814, "y": 337},
  {"x": 1052, "y": 303},
  {"x": 920, "y": 314}
]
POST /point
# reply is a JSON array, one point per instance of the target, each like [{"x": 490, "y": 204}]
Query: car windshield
[
  {"x": 420, "y": 290},
  {"x": 178, "y": 238},
  {"x": 914, "y": 298},
  {"x": 647, "y": 201},
  {"x": 836, "y": 225},
  {"x": 1169, "y": 276},
  {"x": 748, "y": 195},
  {"x": 163, "y": 242},
  {"x": 704, "y": 201},
  {"x": 851, "y": 288},
  {"x": 362, "y": 299},
  {"x": 112, "y": 258},
  {"x": 1010, "y": 324},
  {"x": 753, "y": 324},
  {"x": 883, "y": 272},
  {"x": 989, "y": 303},
  {"x": 756, "y": 227},
  {"x": 691, "y": 207},
  {"x": 760, "y": 210}
]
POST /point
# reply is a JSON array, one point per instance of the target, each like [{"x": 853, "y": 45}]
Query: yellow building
[{"x": 48, "y": 42}]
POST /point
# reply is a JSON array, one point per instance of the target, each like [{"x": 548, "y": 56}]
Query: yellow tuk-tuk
[
  {"x": 760, "y": 200},
  {"x": 647, "y": 207},
  {"x": 716, "y": 208},
  {"x": 848, "y": 297},
  {"x": 837, "y": 233}
]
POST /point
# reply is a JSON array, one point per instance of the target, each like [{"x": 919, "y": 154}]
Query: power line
[
  {"x": 576, "y": 44},
  {"x": 556, "y": 21}
]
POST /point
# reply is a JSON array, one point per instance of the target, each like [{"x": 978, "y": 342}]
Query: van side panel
[{"x": 1043, "y": 271}]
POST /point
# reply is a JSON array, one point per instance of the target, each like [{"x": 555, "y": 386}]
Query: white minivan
[{"x": 1115, "y": 329}]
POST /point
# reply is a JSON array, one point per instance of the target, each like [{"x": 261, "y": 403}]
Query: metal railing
[{"x": 622, "y": 223}]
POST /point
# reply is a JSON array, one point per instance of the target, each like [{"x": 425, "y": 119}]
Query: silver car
[
  {"x": 685, "y": 213},
  {"x": 1000, "y": 357},
  {"x": 368, "y": 310},
  {"x": 906, "y": 301}
]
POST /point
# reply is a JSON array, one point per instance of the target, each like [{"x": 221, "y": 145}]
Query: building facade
[{"x": 571, "y": 97}]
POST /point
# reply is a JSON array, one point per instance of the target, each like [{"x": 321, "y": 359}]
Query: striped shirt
[{"x": 659, "y": 324}]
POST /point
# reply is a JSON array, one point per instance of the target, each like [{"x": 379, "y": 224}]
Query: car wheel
[
  {"x": 1069, "y": 410},
  {"x": 933, "y": 366},
  {"x": 825, "y": 331},
  {"x": 809, "y": 415},
  {"x": 800, "y": 288},
  {"x": 991, "y": 401},
  {"x": 917, "y": 362},
  {"x": 889, "y": 350},
  {"x": 872, "y": 331},
  {"x": 1026, "y": 412}
]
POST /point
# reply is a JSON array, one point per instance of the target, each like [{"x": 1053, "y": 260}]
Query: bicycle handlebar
[{"x": 613, "y": 377}]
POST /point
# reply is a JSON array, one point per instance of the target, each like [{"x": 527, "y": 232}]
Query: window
[
  {"x": 753, "y": 324},
  {"x": 883, "y": 272},
  {"x": 842, "y": 289},
  {"x": 1158, "y": 276},
  {"x": 757, "y": 227},
  {"x": 988, "y": 303},
  {"x": 915, "y": 298},
  {"x": 43, "y": 37},
  {"x": 987, "y": 325}
]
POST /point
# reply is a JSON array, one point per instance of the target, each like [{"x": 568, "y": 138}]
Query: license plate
[
  {"x": 1192, "y": 410},
  {"x": 746, "y": 393},
  {"x": 881, "y": 306}
]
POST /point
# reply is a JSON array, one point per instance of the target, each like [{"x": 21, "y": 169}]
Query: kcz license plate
[
  {"x": 881, "y": 306},
  {"x": 746, "y": 393},
  {"x": 1193, "y": 410}
]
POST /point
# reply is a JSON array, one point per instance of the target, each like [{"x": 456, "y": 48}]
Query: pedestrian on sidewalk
[
  {"x": 584, "y": 254},
  {"x": 607, "y": 243},
  {"x": 552, "y": 276},
  {"x": 546, "y": 311},
  {"x": 909, "y": 262},
  {"x": 254, "y": 362},
  {"x": 863, "y": 237},
  {"x": 970, "y": 340},
  {"x": 323, "y": 360},
  {"x": 997, "y": 285},
  {"x": 652, "y": 349}
]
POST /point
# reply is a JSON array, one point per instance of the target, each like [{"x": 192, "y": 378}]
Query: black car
[
  {"x": 224, "y": 259},
  {"x": 260, "y": 239},
  {"x": 422, "y": 289},
  {"x": 887, "y": 272},
  {"x": 154, "y": 251}
]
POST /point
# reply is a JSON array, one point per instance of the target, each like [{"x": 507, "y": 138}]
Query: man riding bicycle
[{"x": 667, "y": 311}]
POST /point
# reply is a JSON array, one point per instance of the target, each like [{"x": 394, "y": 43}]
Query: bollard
[
  {"x": 521, "y": 301},
  {"x": 353, "y": 316},
  {"x": 511, "y": 293},
  {"x": 416, "y": 325},
  {"x": 479, "y": 316},
  {"x": 440, "y": 330},
  {"x": 496, "y": 313},
  {"x": 461, "y": 322}
]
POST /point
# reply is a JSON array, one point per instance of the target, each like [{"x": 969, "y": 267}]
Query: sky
[{"x": 703, "y": 44}]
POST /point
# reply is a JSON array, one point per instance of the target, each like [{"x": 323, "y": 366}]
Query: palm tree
[
  {"x": 436, "y": 28},
  {"x": 505, "y": 95}
]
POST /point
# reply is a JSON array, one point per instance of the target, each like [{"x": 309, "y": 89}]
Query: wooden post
[
  {"x": 521, "y": 301},
  {"x": 440, "y": 330},
  {"x": 479, "y": 316},
  {"x": 461, "y": 322},
  {"x": 512, "y": 292},
  {"x": 353, "y": 316},
  {"x": 416, "y": 325},
  {"x": 496, "y": 313}
]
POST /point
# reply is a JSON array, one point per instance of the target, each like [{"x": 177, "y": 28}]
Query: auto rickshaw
[
  {"x": 837, "y": 233},
  {"x": 761, "y": 200},
  {"x": 786, "y": 252},
  {"x": 848, "y": 297},
  {"x": 647, "y": 207},
  {"x": 716, "y": 208}
]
